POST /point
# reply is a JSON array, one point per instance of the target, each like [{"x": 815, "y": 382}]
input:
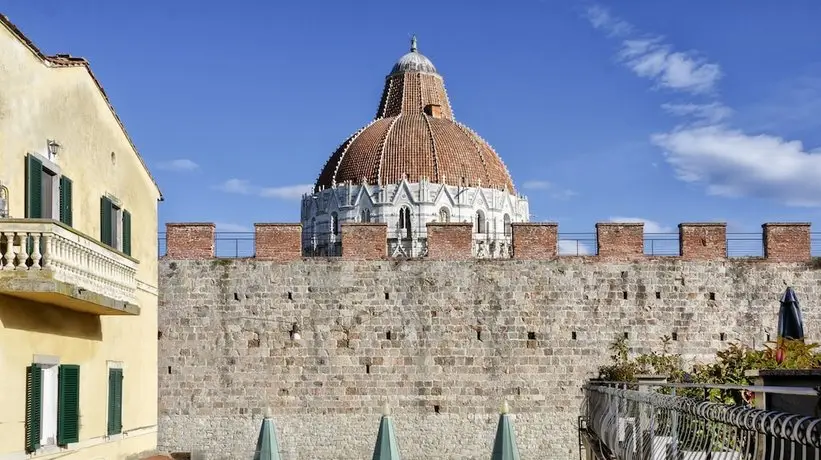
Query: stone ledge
[{"x": 39, "y": 286}]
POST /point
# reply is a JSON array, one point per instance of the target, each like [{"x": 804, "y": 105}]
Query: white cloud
[
  {"x": 733, "y": 164},
  {"x": 289, "y": 192},
  {"x": 537, "y": 185},
  {"x": 714, "y": 112},
  {"x": 650, "y": 226},
  {"x": 236, "y": 186},
  {"x": 601, "y": 18},
  {"x": 244, "y": 187},
  {"x": 555, "y": 192},
  {"x": 181, "y": 164},
  {"x": 726, "y": 161},
  {"x": 229, "y": 227},
  {"x": 574, "y": 248},
  {"x": 653, "y": 59}
]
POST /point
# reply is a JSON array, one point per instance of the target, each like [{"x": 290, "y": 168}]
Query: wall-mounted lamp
[
  {"x": 53, "y": 148},
  {"x": 295, "y": 332}
]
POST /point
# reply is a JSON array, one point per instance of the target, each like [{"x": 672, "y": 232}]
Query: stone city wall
[{"x": 323, "y": 342}]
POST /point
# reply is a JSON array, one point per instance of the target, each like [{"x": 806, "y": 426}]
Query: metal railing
[
  {"x": 241, "y": 244},
  {"x": 668, "y": 244},
  {"x": 630, "y": 421}
]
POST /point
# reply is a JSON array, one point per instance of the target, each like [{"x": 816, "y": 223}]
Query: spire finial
[
  {"x": 413, "y": 43},
  {"x": 505, "y": 408}
]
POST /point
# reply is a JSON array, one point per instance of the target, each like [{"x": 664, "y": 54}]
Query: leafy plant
[{"x": 729, "y": 366}]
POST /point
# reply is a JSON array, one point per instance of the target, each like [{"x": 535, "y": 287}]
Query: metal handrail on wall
[{"x": 241, "y": 244}]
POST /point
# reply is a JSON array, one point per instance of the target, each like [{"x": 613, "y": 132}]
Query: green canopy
[
  {"x": 386, "y": 446},
  {"x": 267, "y": 445},
  {"x": 504, "y": 447}
]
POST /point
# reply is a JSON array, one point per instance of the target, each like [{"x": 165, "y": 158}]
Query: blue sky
[{"x": 674, "y": 111}]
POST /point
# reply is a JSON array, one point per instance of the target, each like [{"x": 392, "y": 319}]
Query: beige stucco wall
[{"x": 38, "y": 102}]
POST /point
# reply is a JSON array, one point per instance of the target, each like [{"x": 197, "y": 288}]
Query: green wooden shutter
[
  {"x": 126, "y": 232},
  {"x": 115, "y": 401},
  {"x": 34, "y": 187},
  {"x": 105, "y": 220},
  {"x": 68, "y": 404},
  {"x": 66, "y": 197},
  {"x": 34, "y": 407}
]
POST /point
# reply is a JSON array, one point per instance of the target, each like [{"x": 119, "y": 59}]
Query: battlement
[{"x": 283, "y": 242}]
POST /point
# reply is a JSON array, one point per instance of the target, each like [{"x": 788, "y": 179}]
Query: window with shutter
[
  {"x": 34, "y": 394},
  {"x": 34, "y": 187},
  {"x": 115, "y": 401},
  {"x": 66, "y": 198},
  {"x": 105, "y": 220},
  {"x": 68, "y": 405},
  {"x": 126, "y": 232}
]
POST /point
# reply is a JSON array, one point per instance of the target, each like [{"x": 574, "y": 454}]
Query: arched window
[
  {"x": 480, "y": 222},
  {"x": 507, "y": 225},
  {"x": 334, "y": 223},
  {"x": 366, "y": 215},
  {"x": 444, "y": 215},
  {"x": 405, "y": 222},
  {"x": 4, "y": 201}
]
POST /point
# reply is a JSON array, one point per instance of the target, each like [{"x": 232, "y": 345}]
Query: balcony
[{"x": 48, "y": 262}]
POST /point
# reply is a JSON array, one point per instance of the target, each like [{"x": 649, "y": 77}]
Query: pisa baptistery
[{"x": 413, "y": 164}]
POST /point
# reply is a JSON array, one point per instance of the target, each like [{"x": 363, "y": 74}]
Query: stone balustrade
[{"x": 70, "y": 256}]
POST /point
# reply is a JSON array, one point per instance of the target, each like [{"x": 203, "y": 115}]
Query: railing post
[{"x": 646, "y": 427}]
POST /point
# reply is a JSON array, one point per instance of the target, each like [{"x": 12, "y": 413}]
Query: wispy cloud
[
  {"x": 711, "y": 113},
  {"x": 236, "y": 186},
  {"x": 536, "y": 185},
  {"x": 601, "y": 18},
  {"x": 704, "y": 150},
  {"x": 650, "y": 226},
  {"x": 179, "y": 165},
  {"x": 288, "y": 192},
  {"x": 554, "y": 191},
  {"x": 232, "y": 228},
  {"x": 652, "y": 58},
  {"x": 244, "y": 187}
]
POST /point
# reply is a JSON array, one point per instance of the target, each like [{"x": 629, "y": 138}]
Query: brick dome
[{"x": 415, "y": 136}]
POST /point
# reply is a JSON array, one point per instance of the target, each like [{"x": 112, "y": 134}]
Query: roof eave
[{"x": 61, "y": 61}]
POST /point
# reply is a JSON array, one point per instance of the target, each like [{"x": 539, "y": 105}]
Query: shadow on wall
[{"x": 25, "y": 315}]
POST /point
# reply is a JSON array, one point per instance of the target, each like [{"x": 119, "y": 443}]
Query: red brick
[
  {"x": 450, "y": 240},
  {"x": 535, "y": 240},
  {"x": 620, "y": 239},
  {"x": 702, "y": 241},
  {"x": 193, "y": 240},
  {"x": 278, "y": 242},
  {"x": 787, "y": 241},
  {"x": 364, "y": 241}
]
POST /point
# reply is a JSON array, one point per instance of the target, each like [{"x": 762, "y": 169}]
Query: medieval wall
[{"x": 443, "y": 340}]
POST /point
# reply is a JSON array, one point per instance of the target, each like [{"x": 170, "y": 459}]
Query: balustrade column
[
  {"x": 35, "y": 251},
  {"x": 22, "y": 256},
  {"x": 9, "y": 254}
]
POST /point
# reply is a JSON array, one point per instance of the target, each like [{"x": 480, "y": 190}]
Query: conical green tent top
[
  {"x": 267, "y": 445},
  {"x": 386, "y": 446},
  {"x": 504, "y": 447}
]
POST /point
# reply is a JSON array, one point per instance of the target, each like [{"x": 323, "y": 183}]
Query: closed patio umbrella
[
  {"x": 386, "y": 447},
  {"x": 790, "y": 323},
  {"x": 267, "y": 444},
  {"x": 504, "y": 447}
]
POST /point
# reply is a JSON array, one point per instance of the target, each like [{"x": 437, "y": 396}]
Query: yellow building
[{"x": 78, "y": 266}]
